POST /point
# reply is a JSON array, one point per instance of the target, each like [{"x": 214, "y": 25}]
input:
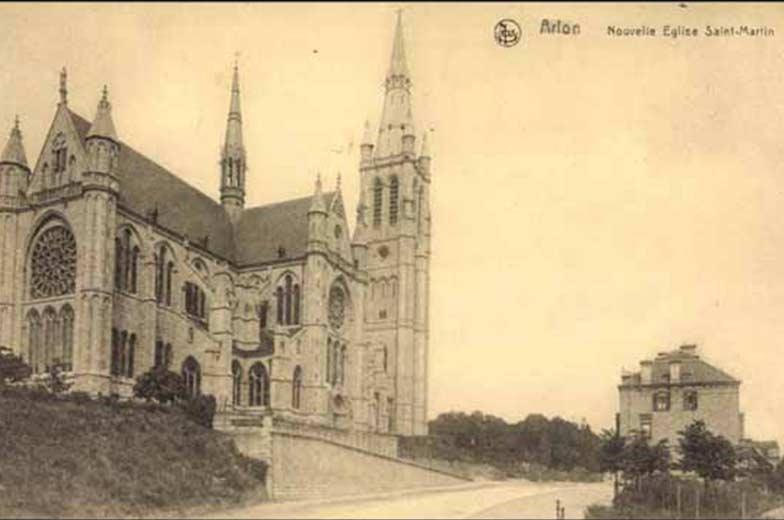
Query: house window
[
  {"x": 690, "y": 400},
  {"x": 661, "y": 401},
  {"x": 646, "y": 423}
]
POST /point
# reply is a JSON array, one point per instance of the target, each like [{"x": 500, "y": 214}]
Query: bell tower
[{"x": 394, "y": 216}]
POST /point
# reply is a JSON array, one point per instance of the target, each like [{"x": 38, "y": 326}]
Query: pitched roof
[
  {"x": 145, "y": 186},
  {"x": 693, "y": 370},
  {"x": 262, "y": 230},
  {"x": 257, "y": 237}
]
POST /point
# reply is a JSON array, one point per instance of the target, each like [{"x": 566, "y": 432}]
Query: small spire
[
  {"x": 234, "y": 108},
  {"x": 337, "y": 184},
  {"x": 103, "y": 126},
  {"x": 64, "y": 86},
  {"x": 425, "y": 146},
  {"x": 317, "y": 202},
  {"x": 397, "y": 64},
  {"x": 14, "y": 151}
]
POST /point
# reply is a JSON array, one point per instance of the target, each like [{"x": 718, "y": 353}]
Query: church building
[{"x": 111, "y": 265}]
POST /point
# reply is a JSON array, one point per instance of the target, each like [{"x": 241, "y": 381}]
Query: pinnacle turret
[
  {"x": 103, "y": 126},
  {"x": 14, "y": 152},
  {"x": 317, "y": 204}
]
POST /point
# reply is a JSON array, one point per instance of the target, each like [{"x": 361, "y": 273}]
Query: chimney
[
  {"x": 646, "y": 368},
  {"x": 690, "y": 350},
  {"x": 675, "y": 371}
]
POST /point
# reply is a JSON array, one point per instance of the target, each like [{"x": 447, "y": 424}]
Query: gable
[{"x": 64, "y": 135}]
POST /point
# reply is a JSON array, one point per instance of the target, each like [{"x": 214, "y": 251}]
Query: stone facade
[
  {"x": 111, "y": 265},
  {"x": 672, "y": 391}
]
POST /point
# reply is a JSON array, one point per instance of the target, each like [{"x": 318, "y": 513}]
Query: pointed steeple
[
  {"x": 234, "y": 127},
  {"x": 397, "y": 99},
  {"x": 103, "y": 126},
  {"x": 317, "y": 204},
  {"x": 14, "y": 152},
  {"x": 397, "y": 64},
  {"x": 233, "y": 163}
]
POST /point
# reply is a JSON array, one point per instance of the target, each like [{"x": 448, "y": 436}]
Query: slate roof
[
  {"x": 262, "y": 230},
  {"x": 693, "y": 370},
  {"x": 183, "y": 209}
]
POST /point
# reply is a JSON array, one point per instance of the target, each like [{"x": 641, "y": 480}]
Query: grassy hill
[{"x": 79, "y": 457}]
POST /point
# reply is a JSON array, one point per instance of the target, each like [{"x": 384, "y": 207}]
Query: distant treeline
[{"x": 555, "y": 443}]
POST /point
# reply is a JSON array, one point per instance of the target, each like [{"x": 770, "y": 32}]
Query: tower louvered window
[
  {"x": 378, "y": 194},
  {"x": 394, "y": 189}
]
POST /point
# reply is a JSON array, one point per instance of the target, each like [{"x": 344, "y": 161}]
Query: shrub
[
  {"x": 159, "y": 384},
  {"x": 200, "y": 409},
  {"x": 12, "y": 367}
]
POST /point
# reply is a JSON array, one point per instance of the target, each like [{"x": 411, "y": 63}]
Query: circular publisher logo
[{"x": 507, "y": 33}]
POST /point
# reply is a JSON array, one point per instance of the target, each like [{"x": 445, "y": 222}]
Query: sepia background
[{"x": 595, "y": 199}]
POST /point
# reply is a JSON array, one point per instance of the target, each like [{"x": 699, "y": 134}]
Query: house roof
[
  {"x": 183, "y": 209},
  {"x": 693, "y": 370}
]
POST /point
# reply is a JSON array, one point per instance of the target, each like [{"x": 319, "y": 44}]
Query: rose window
[
  {"x": 337, "y": 307},
  {"x": 53, "y": 264}
]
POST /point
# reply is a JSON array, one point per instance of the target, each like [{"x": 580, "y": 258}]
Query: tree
[
  {"x": 639, "y": 459},
  {"x": 12, "y": 367},
  {"x": 159, "y": 384},
  {"x": 611, "y": 449},
  {"x": 710, "y": 456}
]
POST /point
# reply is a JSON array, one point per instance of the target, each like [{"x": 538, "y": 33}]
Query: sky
[{"x": 595, "y": 199}]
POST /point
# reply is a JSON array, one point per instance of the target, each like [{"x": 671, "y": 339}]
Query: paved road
[{"x": 509, "y": 499}]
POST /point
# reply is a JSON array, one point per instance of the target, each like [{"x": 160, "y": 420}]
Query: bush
[
  {"x": 159, "y": 384},
  {"x": 12, "y": 367},
  {"x": 200, "y": 409}
]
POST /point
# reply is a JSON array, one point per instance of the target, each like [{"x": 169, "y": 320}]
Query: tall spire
[
  {"x": 103, "y": 126},
  {"x": 14, "y": 152},
  {"x": 63, "y": 87},
  {"x": 233, "y": 165},
  {"x": 397, "y": 99},
  {"x": 398, "y": 65}
]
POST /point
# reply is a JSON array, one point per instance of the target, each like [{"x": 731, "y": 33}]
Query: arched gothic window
[
  {"x": 295, "y": 303},
  {"x": 279, "y": 299},
  {"x": 169, "y": 271},
  {"x": 119, "y": 262},
  {"x": 378, "y": 194},
  {"x": 236, "y": 378},
  {"x": 35, "y": 355},
  {"x": 419, "y": 209},
  {"x": 134, "y": 266},
  {"x": 394, "y": 190},
  {"x": 288, "y": 300},
  {"x": 67, "y": 321},
  {"x": 159, "y": 354},
  {"x": 131, "y": 353},
  {"x": 50, "y": 356},
  {"x": 191, "y": 375},
  {"x": 385, "y": 358},
  {"x": 53, "y": 263},
  {"x": 259, "y": 385},
  {"x": 296, "y": 388}
]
